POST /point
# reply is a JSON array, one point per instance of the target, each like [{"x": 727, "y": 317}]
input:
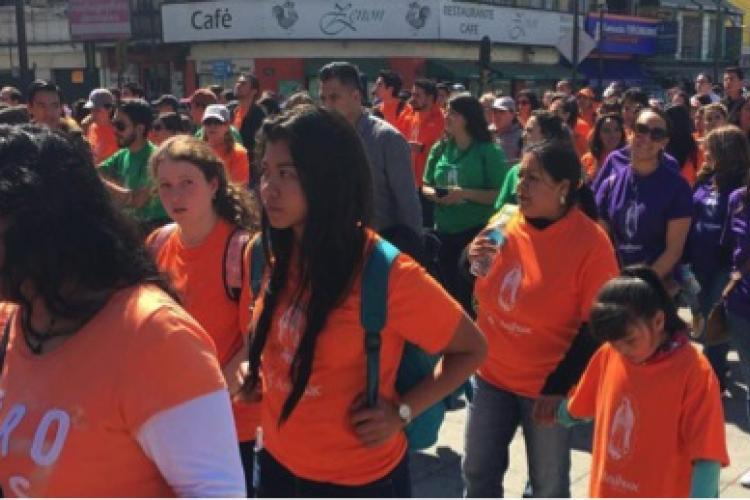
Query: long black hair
[
  {"x": 595, "y": 143},
  {"x": 335, "y": 178},
  {"x": 636, "y": 295},
  {"x": 681, "y": 143},
  {"x": 64, "y": 236},
  {"x": 471, "y": 109},
  {"x": 561, "y": 162}
]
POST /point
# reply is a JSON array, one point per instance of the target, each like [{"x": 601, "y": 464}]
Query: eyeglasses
[
  {"x": 120, "y": 126},
  {"x": 656, "y": 133}
]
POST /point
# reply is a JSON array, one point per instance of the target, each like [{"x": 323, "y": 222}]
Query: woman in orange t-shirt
[
  {"x": 103, "y": 372},
  {"x": 211, "y": 216},
  {"x": 659, "y": 419},
  {"x": 232, "y": 154},
  {"x": 320, "y": 437},
  {"x": 532, "y": 305},
  {"x": 609, "y": 134}
]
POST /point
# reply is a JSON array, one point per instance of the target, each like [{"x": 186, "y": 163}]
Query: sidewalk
[{"x": 436, "y": 472}]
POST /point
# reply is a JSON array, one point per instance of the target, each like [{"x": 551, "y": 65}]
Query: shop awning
[
  {"x": 369, "y": 67},
  {"x": 445, "y": 69},
  {"x": 628, "y": 71}
]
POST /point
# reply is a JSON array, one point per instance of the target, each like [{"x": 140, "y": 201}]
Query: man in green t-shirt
[{"x": 125, "y": 173}]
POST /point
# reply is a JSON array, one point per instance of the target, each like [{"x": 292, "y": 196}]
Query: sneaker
[{"x": 745, "y": 480}]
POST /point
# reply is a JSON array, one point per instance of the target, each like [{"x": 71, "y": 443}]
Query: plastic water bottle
[
  {"x": 452, "y": 177},
  {"x": 496, "y": 234},
  {"x": 256, "y": 458}
]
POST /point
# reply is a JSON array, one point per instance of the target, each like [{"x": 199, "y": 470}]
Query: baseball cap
[
  {"x": 504, "y": 103},
  {"x": 99, "y": 98},
  {"x": 216, "y": 112},
  {"x": 586, "y": 92},
  {"x": 167, "y": 99}
]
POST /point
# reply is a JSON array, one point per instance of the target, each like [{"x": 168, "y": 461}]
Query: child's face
[{"x": 642, "y": 340}]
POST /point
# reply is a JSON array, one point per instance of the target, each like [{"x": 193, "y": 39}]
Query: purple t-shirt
[
  {"x": 619, "y": 159},
  {"x": 709, "y": 216},
  {"x": 737, "y": 237},
  {"x": 638, "y": 210}
]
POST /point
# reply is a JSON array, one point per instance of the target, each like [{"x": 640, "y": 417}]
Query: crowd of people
[{"x": 217, "y": 295}]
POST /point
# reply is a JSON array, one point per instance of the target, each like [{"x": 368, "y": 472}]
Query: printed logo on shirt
[
  {"x": 631, "y": 219},
  {"x": 45, "y": 447},
  {"x": 620, "y": 441},
  {"x": 711, "y": 204},
  {"x": 509, "y": 285}
]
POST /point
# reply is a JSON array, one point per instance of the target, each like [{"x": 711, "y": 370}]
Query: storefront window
[{"x": 691, "y": 44}]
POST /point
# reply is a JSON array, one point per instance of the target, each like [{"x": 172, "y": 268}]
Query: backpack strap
[
  {"x": 257, "y": 265},
  {"x": 373, "y": 306},
  {"x": 160, "y": 238},
  {"x": 232, "y": 262}
]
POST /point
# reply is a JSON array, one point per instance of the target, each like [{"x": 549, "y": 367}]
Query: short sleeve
[
  {"x": 507, "y": 192},
  {"x": 602, "y": 197},
  {"x": 429, "y": 171},
  {"x": 419, "y": 309},
  {"x": 597, "y": 269},
  {"x": 727, "y": 236},
  {"x": 582, "y": 401},
  {"x": 170, "y": 360},
  {"x": 496, "y": 166},
  {"x": 702, "y": 430},
  {"x": 109, "y": 166},
  {"x": 682, "y": 200}
]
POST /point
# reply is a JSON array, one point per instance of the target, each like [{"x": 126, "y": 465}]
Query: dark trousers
[
  {"x": 247, "y": 455},
  {"x": 451, "y": 246},
  {"x": 277, "y": 481}
]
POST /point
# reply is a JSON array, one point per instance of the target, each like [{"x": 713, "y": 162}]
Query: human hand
[
  {"x": 481, "y": 246},
  {"x": 455, "y": 196},
  {"x": 545, "y": 409},
  {"x": 375, "y": 426}
]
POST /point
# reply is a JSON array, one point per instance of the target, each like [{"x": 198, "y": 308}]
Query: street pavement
[{"x": 436, "y": 472}]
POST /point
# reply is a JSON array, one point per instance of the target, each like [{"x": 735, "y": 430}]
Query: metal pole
[
  {"x": 575, "y": 41},
  {"x": 602, "y": 6},
  {"x": 717, "y": 40},
  {"x": 23, "y": 55}
]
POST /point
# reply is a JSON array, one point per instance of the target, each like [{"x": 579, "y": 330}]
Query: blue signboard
[
  {"x": 666, "y": 42},
  {"x": 624, "y": 34},
  {"x": 221, "y": 68}
]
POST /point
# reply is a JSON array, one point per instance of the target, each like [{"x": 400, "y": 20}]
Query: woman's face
[
  {"x": 532, "y": 132},
  {"x": 454, "y": 122},
  {"x": 712, "y": 120},
  {"x": 699, "y": 122},
  {"x": 281, "y": 192},
  {"x": 538, "y": 193},
  {"x": 215, "y": 131},
  {"x": 184, "y": 191},
  {"x": 610, "y": 134},
  {"x": 523, "y": 104},
  {"x": 159, "y": 133},
  {"x": 650, "y": 137}
]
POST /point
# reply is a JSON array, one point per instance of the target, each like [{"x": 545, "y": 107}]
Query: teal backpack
[{"x": 416, "y": 364}]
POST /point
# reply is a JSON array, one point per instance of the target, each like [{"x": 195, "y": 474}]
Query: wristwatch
[{"x": 404, "y": 413}]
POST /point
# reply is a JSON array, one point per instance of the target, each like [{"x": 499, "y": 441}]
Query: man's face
[
  {"x": 420, "y": 101},
  {"x": 125, "y": 130},
  {"x": 584, "y": 103},
  {"x": 381, "y": 91},
  {"x": 339, "y": 97},
  {"x": 45, "y": 109},
  {"x": 732, "y": 84},
  {"x": 563, "y": 87},
  {"x": 702, "y": 85},
  {"x": 243, "y": 89},
  {"x": 503, "y": 118}
]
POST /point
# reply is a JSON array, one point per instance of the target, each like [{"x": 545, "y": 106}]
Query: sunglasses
[
  {"x": 523, "y": 103},
  {"x": 213, "y": 121},
  {"x": 156, "y": 127},
  {"x": 120, "y": 126},
  {"x": 656, "y": 133}
]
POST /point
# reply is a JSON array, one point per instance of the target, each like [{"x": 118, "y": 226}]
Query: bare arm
[{"x": 677, "y": 231}]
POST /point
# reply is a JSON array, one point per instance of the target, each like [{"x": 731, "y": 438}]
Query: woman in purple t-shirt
[
  {"x": 726, "y": 165},
  {"x": 645, "y": 204}
]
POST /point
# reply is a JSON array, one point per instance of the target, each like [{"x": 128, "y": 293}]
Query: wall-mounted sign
[
  {"x": 99, "y": 19},
  {"x": 625, "y": 34}
]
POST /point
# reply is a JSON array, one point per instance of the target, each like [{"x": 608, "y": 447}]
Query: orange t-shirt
[
  {"x": 391, "y": 114},
  {"x": 78, "y": 408},
  {"x": 317, "y": 441},
  {"x": 239, "y": 116},
  {"x": 536, "y": 295},
  {"x": 197, "y": 274},
  {"x": 590, "y": 165},
  {"x": 581, "y": 137},
  {"x": 652, "y": 422},
  {"x": 427, "y": 129},
  {"x": 236, "y": 162},
  {"x": 103, "y": 141},
  {"x": 690, "y": 168}
]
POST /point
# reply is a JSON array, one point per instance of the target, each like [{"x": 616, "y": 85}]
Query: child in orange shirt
[
  {"x": 659, "y": 420},
  {"x": 320, "y": 437},
  {"x": 199, "y": 251}
]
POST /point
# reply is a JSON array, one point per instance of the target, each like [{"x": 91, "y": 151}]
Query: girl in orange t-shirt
[
  {"x": 108, "y": 387},
  {"x": 608, "y": 135},
  {"x": 320, "y": 438},
  {"x": 659, "y": 419},
  {"x": 217, "y": 135},
  {"x": 209, "y": 214},
  {"x": 532, "y": 305}
]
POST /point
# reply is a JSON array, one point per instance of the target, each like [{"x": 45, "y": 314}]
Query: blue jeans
[
  {"x": 494, "y": 416},
  {"x": 739, "y": 329},
  {"x": 711, "y": 287}
]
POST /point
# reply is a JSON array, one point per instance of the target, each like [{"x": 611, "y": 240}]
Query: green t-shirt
[
  {"x": 481, "y": 166},
  {"x": 130, "y": 170},
  {"x": 507, "y": 192}
]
